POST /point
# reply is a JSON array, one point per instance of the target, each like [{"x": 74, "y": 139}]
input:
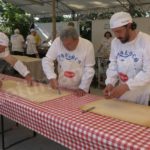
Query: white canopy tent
[
  {"x": 99, "y": 27},
  {"x": 43, "y": 8}
]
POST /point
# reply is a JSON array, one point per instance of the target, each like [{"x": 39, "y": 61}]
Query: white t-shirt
[
  {"x": 31, "y": 45},
  {"x": 130, "y": 63},
  {"x": 106, "y": 44},
  {"x": 75, "y": 67},
  {"x": 17, "y": 42},
  {"x": 104, "y": 50}
]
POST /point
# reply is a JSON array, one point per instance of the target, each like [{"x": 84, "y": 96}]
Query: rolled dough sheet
[
  {"x": 36, "y": 93},
  {"x": 126, "y": 111}
]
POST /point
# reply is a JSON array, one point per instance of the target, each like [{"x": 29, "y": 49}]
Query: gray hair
[{"x": 69, "y": 32}]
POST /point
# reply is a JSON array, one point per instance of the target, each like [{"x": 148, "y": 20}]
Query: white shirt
[
  {"x": 75, "y": 67},
  {"x": 130, "y": 63},
  {"x": 31, "y": 45},
  {"x": 17, "y": 42}
]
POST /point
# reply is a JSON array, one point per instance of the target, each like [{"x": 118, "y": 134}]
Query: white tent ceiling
[{"x": 44, "y": 7}]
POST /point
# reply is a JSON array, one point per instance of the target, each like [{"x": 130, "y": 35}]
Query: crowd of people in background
[{"x": 28, "y": 46}]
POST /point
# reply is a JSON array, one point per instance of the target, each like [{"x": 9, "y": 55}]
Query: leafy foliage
[{"x": 13, "y": 17}]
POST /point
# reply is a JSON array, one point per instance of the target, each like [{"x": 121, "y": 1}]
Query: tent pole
[{"x": 54, "y": 19}]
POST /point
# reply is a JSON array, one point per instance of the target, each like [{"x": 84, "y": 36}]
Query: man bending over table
[
  {"x": 75, "y": 57},
  {"x": 129, "y": 62}
]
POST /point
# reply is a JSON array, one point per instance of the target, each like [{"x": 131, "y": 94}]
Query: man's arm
[
  {"x": 143, "y": 77},
  {"x": 112, "y": 73},
  {"x": 20, "y": 67},
  {"x": 115, "y": 92},
  {"x": 88, "y": 71},
  {"x": 10, "y": 59},
  {"x": 48, "y": 64},
  {"x": 48, "y": 68}
]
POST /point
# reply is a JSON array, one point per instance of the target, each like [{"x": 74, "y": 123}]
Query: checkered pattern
[{"x": 61, "y": 120}]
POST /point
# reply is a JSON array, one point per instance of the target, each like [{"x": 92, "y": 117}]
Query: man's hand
[
  {"x": 119, "y": 91},
  {"x": 107, "y": 91},
  {"x": 28, "y": 77},
  {"x": 80, "y": 92},
  {"x": 53, "y": 83}
]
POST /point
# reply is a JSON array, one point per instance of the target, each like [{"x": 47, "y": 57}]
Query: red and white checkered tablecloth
[{"x": 61, "y": 120}]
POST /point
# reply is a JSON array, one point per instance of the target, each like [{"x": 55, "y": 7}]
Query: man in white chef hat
[
  {"x": 128, "y": 74},
  {"x": 17, "y": 65}
]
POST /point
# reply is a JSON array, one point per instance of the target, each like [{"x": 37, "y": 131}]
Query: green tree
[{"x": 13, "y": 17}]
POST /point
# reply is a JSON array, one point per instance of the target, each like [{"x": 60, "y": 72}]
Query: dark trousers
[
  {"x": 32, "y": 55},
  {"x": 17, "y": 53}
]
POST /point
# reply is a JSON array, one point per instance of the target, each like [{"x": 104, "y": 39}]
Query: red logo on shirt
[
  {"x": 69, "y": 74},
  {"x": 123, "y": 76}
]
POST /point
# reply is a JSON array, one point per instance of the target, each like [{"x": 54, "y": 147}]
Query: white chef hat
[
  {"x": 16, "y": 31},
  {"x": 120, "y": 19},
  {"x": 32, "y": 30},
  {"x": 3, "y": 39}
]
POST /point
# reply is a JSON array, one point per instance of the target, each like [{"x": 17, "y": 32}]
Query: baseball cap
[
  {"x": 3, "y": 39},
  {"x": 120, "y": 19}
]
